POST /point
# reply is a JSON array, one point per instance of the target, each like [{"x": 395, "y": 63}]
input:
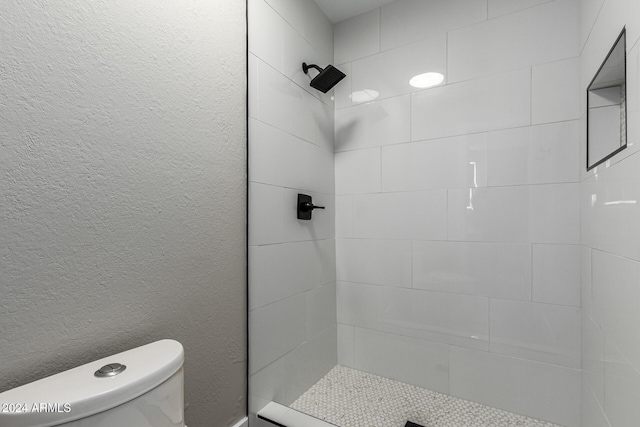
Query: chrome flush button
[{"x": 110, "y": 370}]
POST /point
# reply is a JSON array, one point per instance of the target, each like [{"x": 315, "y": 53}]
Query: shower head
[{"x": 328, "y": 77}]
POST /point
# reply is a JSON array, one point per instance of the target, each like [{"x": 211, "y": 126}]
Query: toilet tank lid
[{"x": 78, "y": 393}]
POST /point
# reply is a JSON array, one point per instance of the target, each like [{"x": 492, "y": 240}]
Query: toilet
[{"x": 142, "y": 387}]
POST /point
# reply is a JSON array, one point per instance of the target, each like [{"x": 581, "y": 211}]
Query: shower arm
[{"x": 306, "y": 67}]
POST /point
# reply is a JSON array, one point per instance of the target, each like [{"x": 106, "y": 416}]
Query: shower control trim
[{"x": 306, "y": 206}]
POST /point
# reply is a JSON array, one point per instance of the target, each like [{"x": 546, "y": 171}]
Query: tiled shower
[{"x": 465, "y": 249}]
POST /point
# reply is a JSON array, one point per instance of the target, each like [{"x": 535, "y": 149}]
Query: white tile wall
[
  {"x": 556, "y": 274},
  {"x": 346, "y": 345},
  {"x": 555, "y": 91},
  {"x": 408, "y": 215},
  {"x": 309, "y": 265},
  {"x": 309, "y": 362},
  {"x": 526, "y": 387},
  {"x": 424, "y": 363},
  {"x": 373, "y": 124},
  {"x": 475, "y": 201},
  {"x": 497, "y": 102},
  {"x": 276, "y": 329},
  {"x": 342, "y": 92},
  {"x": 265, "y": 224},
  {"x": 533, "y": 36},
  {"x": 344, "y": 216},
  {"x": 389, "y": 72},
  {"x": 358, "y": 171},
  {"x": 541, "y": 154},
  {"x": 429, "y": 315},
  {"x": 610, "y": 234},
  {"x": 299, "y": 113},
  {"x": 542, "y": 332},
  {"x": 380, "y": 262},
  {"x": 321, "y": 310},
  {"x": 458, "y": 206},
  {"x": 292, "y": 291},
  {"x": 357, "y": 37},
  {"x": 360, "y": 305},
  {"x": 500, "y": 270},
  {"x": 457, "y": 162},
  {"x": 622, "y": 388},
  {"x": 406, "y": 21},
  {"x": 540, "y": 214},
  {"x": 593, "y": 358},
  {"x": 267, "y": 32},
  {"x": 504, "y": 7},
  {"x": 308, "y": 21}
]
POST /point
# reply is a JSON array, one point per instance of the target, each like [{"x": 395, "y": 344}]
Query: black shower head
[{"x": 328, "y": 77}]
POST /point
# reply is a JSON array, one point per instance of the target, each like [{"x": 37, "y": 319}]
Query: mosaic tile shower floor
[{"x": 350, "y": 398}]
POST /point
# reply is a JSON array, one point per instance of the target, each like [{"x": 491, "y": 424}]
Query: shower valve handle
[
  {"x": 305, "y": 207},
  {"x": 308, "y": 207}
]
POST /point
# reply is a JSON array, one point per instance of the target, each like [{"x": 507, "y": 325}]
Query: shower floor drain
[{"x": 410, "y": 424}]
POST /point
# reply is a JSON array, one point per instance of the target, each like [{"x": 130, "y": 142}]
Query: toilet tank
[{"x": 147, "y": 392}]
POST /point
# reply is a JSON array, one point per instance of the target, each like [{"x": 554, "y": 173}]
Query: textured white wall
[{"x": 122, "y": 190}]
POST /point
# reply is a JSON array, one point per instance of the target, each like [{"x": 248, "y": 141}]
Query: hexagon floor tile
[{"x": 350, "y": 398}]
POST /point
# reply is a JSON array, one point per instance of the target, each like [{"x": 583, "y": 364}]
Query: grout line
[{"x": 531, "y": 271}]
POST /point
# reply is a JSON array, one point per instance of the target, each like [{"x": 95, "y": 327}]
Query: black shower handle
[{"x": 308, "y": 206}]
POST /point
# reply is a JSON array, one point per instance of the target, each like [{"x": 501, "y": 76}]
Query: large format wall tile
[
  {"x": 357, "y": 37},
  {"x": 504, "y": 7},
  {"x": 535, "y": 389},
  {"x": 266, "y": 210},
  {"x": 308, "y": 264},
  {"x": 555, "y": 91},
  {"x": 424, "y": 363},
  {"x": 622, "y": 388},
  {"x": 543, "y": 154},
  {"x": 360, "y": 305},
  {"x": 593, "y": 358},
  {"x": 267, "y": 32},
  {"x": 456, "y": 162},
  {"x": 279, "y": 158},
  {"x": 610, "y": 208},
  {"x": 533, "y": 36},
  {"x": 321, "y": 310},
  {"x": 292, "y": 307},
  {"x": 536, "y": 214},
  {"x": 500, "y": 270},
  {"x": 298, "y": 113},
  {"x": 410, "y": 215},
  {"x": 496, "y": 102},
  {"x": 556, "y": 274},
  {"x": 461, "y": 320},
  {"x": 380, "y": 262},
  {"x": 406, "y": 21},
  {"x": 543, "y": 332},
  {"x": 276, "y": 329},
  {"x": 373, "y": 124},
  {"x": 308, "y": 20},
  {"x": 358, "y": 171},
  {"x": 389, "y": 72}
]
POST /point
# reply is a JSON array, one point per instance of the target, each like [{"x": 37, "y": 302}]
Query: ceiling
[{"x": 339, "y": 10}]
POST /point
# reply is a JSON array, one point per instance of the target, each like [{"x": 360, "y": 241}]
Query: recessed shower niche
[{"x": 607, "y": 106}]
